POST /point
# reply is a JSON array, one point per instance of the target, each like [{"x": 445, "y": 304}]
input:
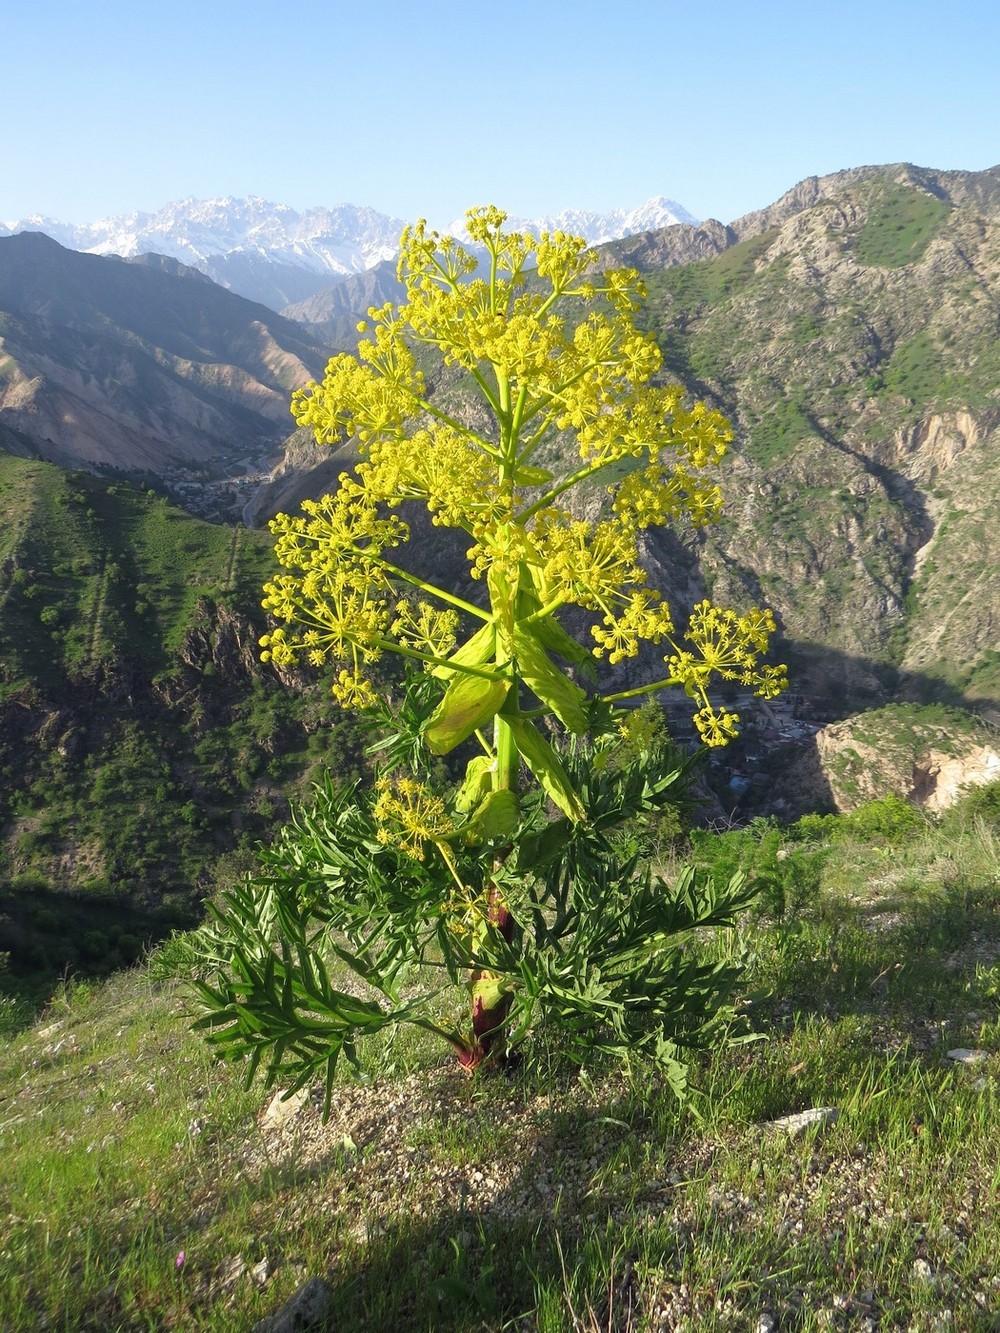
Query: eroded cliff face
[{"x": 927, "y": 755}]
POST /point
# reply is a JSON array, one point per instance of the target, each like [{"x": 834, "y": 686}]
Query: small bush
[
  {"x": 977, "y": 803},
  {"x": 889, "y": 818}
]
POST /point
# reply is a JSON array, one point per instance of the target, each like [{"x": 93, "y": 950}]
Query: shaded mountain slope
[
  {"x": 141, "y": 738},
  {"x": 138, "y": 365}
]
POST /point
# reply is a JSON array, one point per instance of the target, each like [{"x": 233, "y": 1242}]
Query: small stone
[
  {"x": 261, "y": 1272},
  {"x": 963, "y": 1056},
  {"x": 48, "y": 1032},
  {"x": 307, "y": 1309},
  {"x": 232, "y": 1270},
  {"x": 282, "y": 1108},
  {"x": 794, "y": 1125},
  {"x": 922, "y": 1272},
  {"x": 765, "y": 1324}
]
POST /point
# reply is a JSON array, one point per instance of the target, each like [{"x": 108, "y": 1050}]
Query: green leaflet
[
  {"x": 495, "y": 817},
  {"x": 469, "y": 702},
  {"x": 556, "y": 690},
  {"x": 475, "y": 651},
  {"x": 476, "y": 786},
  {"x": 543, "y": 761},
  {"x": 526, "y": 475}
]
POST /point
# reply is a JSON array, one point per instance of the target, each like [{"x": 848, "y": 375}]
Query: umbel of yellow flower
[
  {"x": 549, "y": 441},
  {"x": 558, "y": 398}
]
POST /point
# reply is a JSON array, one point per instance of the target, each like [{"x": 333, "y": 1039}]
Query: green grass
[
  {"x": 556, "y": 1200},
  {"x": 708, "y": 281},
  {"x": 901, "y": 224}
]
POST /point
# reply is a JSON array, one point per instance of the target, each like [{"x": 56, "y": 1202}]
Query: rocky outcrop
[
  {"x": 929, "y": 756},
  {"x": 939, "y": 779},
  {"x": 651, "y": 251}
]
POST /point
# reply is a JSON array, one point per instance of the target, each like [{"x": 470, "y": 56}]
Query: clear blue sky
[{"x": 426, "y": 107}]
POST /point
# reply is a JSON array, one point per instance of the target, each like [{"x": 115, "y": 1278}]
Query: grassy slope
[
  {"x": 100, "y": 570},
  {"x": 141, "y": 740},
  {"x": 557, "y": 1202}
]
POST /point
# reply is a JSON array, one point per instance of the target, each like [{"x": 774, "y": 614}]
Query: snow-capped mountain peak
[
  {"x": 597, "y": 228},
  {"x": 273, "y": 254}
]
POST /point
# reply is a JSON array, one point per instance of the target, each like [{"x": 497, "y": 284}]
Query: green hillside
[
  {"x": 97, "y": 572},
  {"x": 140, "y": 738}
]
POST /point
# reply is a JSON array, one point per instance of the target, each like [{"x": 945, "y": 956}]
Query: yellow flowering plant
[{"x": 561, "y": 398}]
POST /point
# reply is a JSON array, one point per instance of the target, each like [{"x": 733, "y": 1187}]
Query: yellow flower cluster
[
  {"x": 466, "y": 912},
  {"x": 645, "y": 618},
  {"x": 440, "y": 466},
  {"x": 727, "y": 645},
  {"x": 535, "y": 373},
  {"x": 584, "y": 563},
  {"x": 425, "y": 628},
  {"x": 341, "y": 598},
  {"x": 640, "y": 729},
  {"x": 408, "y": 815}
]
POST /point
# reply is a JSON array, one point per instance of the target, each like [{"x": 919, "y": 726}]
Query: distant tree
[{"x": 537, "y": 913}]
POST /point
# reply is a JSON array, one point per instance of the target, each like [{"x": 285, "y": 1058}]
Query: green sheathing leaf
[
  {"x": 552, "y": 687},
  {"x": 469, "y": 703},
  {"x": 544, "y": 763},
  {"x": 476, "y": 651}
]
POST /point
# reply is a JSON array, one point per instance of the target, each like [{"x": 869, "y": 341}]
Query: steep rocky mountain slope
[
  {"x": 852, "y": 334},
  {"x": 140, "y": 365},
  {"x": 332, "y": 314},
  {"x": 853, "y": 337}
]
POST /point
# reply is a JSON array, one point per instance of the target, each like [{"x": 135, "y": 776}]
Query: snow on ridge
[
  {"x": 340, "y": 240},
  {"x": 228, "y": 237},
  {"x": 597, "y": 228}
]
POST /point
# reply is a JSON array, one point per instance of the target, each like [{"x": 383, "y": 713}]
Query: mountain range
[
  {"x": 274, "y": 255},
  {"x": 851, "y": 332}
]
